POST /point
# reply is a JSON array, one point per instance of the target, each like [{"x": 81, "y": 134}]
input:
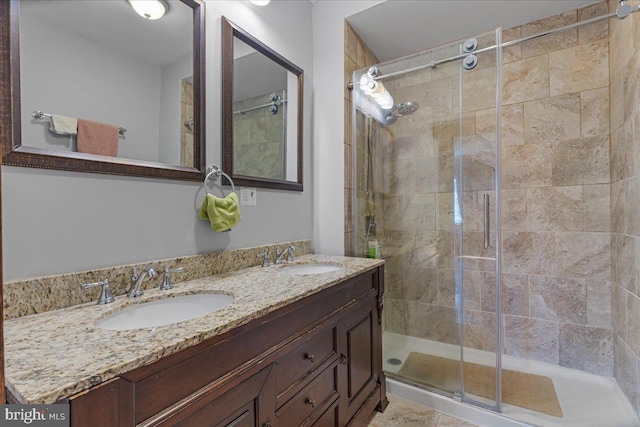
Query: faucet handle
[
  {"x": 166, "y": 282},
  {"x": 106, "y": 296},
  {"x": 265, "y": 258},
  {"x": 134, "y": 274},
  {"x": 290, "y": 255}
]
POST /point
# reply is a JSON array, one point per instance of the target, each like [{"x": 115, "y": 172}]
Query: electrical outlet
[{"x": 248, "y": 197}]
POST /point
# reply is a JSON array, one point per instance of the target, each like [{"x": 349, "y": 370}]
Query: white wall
[
  {"x": 56, "y": 222},
  {"x": 328, "y": 121}
]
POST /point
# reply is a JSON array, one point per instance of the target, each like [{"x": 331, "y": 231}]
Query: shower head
[{"x": 401, "y": 110}]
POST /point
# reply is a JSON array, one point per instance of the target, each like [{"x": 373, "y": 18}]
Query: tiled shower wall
[
  {"x": 258, "y": 136},
  {"x": 556, "y": 219},
  {"x": 625, "y": 201},
  {"x": 357, "y": 55}
]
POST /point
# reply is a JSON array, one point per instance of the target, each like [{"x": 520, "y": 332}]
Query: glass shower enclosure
[{"x": 426, "y": 198}]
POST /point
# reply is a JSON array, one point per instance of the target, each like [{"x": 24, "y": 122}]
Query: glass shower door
[
  {"x": 476, "y": 221},
  {"x": 420, "y": 184}
]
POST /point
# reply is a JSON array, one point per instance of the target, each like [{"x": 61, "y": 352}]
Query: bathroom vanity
[{"x": 291, "y": 350}]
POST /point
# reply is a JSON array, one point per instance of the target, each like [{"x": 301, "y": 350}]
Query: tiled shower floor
[{"x": 587, "y": 400}]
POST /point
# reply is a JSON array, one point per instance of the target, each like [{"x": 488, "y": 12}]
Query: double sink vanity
[{"x": 291, "y": 344}]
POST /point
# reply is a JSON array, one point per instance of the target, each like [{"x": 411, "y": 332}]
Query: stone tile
[
  {"x": 399, "y": 176},
  {"x": 585, "y": 348},
  {"x": 514, "y": 209},
  {"x": 631, "y": 89},
  {"x": 633, "y": 323},
  {"x": 436, "y": 98},
  {"x": 617, "y": 207},
  {"x": 619, "y": 310},
  {"x": 514, "y": 297},
  {"x": 579, "y": 68},
  {"x": 621, "y": 44},
  {"x": 479, "y": 89},
  {"x": 583, "y": 255},
  {"x": 594, "y": 112},
  {"x": 446, "y": 287},
  {"x": 435, "y": 174},
  {"x": 433, "y": 249},
  {"x": 555, "y": 208},
  {"x": 486, "y": 121},
  {"x": 616, "y": 100},
  {"x": 597, "y": 207},
  {"x": 622, "y": 147},
  {"x": 626, "y": 259},
  {"x": 471, "y": 289},
  {"x": 552, "y": 119},
  {"x": 416, "y": 283},
  {"x": 512, "y": 125},
  {"x": 480, "y": 259},
  {"x": 581, "y": 161},
  {"x": 532, "y": 339},
  {"x": 436, "y": 323},
  {"x": 558, "y": 298},
  {"x": 350, "y": 42},
  {"x": 627, "y": 372},
  {"x": 632, "y": 206},
  {"x": 403, "y": 413},
  {"x": 410, "y": 212},
  {"x": 396, "y": 315},
  {"x": 348, "y": 210},
  {"x": 511, "y": 53},
  {"x": 597, "y": 30},
  {"x": 348, "y": 166},
  {"x": 529, "y": 253},
  {"x": 599, "y": 303},
  {"x": 525, "y": 80},
  {"x": 528, "y": 165},
  {"x": 444, "y": 211},
  {"x": 480, "y": 330},
  {"x": 551, "y": 42}
]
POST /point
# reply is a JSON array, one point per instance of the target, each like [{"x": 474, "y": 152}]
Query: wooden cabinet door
[
  {"x": 359, "y": 358},
  {"x": 248, "y": 404}
]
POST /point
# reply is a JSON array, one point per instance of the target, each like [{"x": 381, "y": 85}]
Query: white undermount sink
[
  {"x": 164, "y": 311},
  {"x": 302, "y": 269}
]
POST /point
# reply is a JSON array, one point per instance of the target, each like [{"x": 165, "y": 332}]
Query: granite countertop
[{"x": 53, "y": 355}]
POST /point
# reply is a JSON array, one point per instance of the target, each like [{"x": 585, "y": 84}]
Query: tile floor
[{"x": 403, "y": 413}]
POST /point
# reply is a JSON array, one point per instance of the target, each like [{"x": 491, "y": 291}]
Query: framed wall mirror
[
  {"x": 262, "y": 113},
  {"x": 100, "y": 87}
]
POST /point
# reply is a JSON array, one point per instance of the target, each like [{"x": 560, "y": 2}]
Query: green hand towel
[{"x": 221, "y": 213}]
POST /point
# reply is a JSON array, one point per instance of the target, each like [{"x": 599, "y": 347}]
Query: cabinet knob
[
  {"x": 344, "y": 359},
  {"x": 309, "y": 357},
  {"x": 311, "y": 402},
  {"x": 267, "y": 423}
]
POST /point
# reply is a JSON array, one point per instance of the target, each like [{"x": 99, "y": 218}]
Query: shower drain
[{"x": 394, "y": 361}]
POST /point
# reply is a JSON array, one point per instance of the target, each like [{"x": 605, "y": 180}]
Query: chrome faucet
[
  {"x": 136, "y": 285},
  {"x": 166, "y": 282},
  {"x": 265, "y": 258},
  {"x": 288, "y": 250}
]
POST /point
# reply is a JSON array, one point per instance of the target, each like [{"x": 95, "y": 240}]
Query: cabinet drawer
[
  {"x": 304, "y": 359},
  {"x": 322, "y": 389}
]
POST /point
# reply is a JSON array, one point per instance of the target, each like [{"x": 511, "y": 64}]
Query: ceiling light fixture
[
  {"x": 260, "y": 2},
  {"x": 150, "y": 9}
]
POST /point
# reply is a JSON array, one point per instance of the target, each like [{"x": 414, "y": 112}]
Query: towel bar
[{"x": 39, "y": 115}]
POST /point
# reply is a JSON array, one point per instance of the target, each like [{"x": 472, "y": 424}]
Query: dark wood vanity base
[{"x": 315, "y": 362}]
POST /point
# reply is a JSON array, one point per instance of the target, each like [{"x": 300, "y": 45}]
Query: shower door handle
[{"x": 487, "y": 223}]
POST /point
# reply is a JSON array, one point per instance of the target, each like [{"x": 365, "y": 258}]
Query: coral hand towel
[
  {"x": 97, "y": 138},
  {"x": 221, "y": 213}
]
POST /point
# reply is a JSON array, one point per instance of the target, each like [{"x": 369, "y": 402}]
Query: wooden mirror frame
[
  {"x": 229, "y": 31},
  {"x": 16, "y": 154}
]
